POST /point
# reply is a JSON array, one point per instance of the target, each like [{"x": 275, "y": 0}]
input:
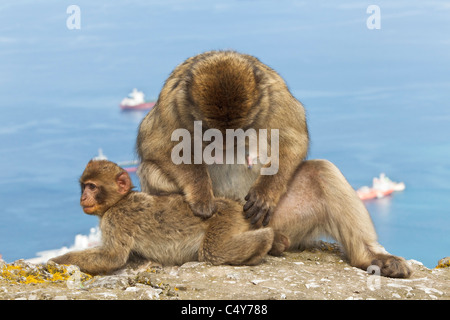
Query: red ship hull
[{"x": 142, "y": 106}]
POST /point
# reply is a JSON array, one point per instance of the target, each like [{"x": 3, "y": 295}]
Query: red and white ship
[
  {"x": 129, "y": 166},
  {"x": 381, "y": 187},
  {"x": 136, "y": 101}
]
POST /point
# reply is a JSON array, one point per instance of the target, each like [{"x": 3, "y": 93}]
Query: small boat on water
[
  {"x": 129, "y": 166},
  {"x": 381, "y": 187},
  {"x": 136, "y": 101},
  {"x": 367, "y": 193},
  {"x": 100, "y": 155}
]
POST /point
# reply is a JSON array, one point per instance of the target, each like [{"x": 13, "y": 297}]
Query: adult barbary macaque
[
  {"x": 162, "y": 228},
  {"x": 222, "y": 91}
]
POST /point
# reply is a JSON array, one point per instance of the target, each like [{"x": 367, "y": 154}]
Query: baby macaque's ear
[{"x": 123, "y": 183}]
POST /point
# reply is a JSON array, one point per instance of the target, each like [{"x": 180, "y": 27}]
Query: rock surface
[{"x": 318, "y": 274}]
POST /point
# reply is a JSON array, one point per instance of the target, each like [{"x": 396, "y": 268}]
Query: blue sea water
[{"x": 376, "y": 100}]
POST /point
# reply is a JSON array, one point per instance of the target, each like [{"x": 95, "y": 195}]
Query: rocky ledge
[{"x": 315, "y": 274}]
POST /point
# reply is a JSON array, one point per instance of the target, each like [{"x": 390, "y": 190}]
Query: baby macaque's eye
[{"x": 91, "y": 186}]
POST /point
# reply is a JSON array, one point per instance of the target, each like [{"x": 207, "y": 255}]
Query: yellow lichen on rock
[
  {"x": 443, "y": 263},
  {"x": 22, "y": 272}
]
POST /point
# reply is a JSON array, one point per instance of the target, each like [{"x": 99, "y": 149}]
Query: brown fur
[
  {"x": 319, "y": 202},
  {"x": 224, "y": 90},
  {"x": 162, "y": 229},
  {"x": 231, "y": 90}
]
